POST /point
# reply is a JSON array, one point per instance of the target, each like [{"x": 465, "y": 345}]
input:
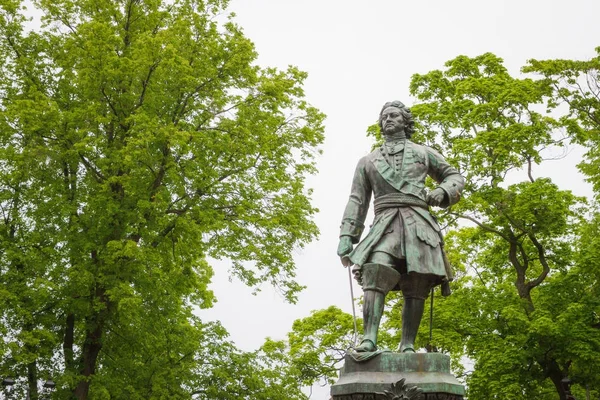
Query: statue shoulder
[
  {"x": 375, "y": 153},
  {"x": 364, "y": 161}
]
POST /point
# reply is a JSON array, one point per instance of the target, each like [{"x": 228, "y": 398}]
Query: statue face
[{"x": 392, "y": 121}]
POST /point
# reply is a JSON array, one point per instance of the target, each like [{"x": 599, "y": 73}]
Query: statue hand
[
  {"x": 436, "y": 197},
  {"x": 344, "y": 248}
]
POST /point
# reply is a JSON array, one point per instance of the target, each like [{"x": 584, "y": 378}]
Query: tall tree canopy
[
  {"x": 525, "y": 306},
  {"x": 522, "y": 311},
  {"x": 138, "y": 138},
  {"x": 576, "y": 86}
]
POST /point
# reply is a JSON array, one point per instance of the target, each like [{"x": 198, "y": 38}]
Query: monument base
[{"x": 399, "y": 373}]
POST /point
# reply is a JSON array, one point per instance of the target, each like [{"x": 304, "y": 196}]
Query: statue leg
[
  {"x": 415, "y": 289},
  {"x": 378, "y": 280},
  {"x": 412, "y": 312},
  {"x": 372, "y": 313}
]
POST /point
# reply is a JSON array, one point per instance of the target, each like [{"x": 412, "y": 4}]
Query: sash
[{"x": 387, "y": 172}]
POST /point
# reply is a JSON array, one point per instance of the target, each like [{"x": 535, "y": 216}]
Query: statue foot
[
  {"x": 407, "y": 348},
  {"x": 367, "y": 345}
]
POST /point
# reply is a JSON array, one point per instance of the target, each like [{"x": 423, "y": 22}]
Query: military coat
[{"x": 403, "y": 228}]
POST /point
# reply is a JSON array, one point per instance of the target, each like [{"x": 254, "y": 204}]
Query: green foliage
[
  {"x": 265, "y": 374},
  {"x": 482, "y": 118},
  {"x": 576, "y": 84},
  {"x": 138, "y": 138},
  {"x": 512, "y": 313},
  {"x": 318, "y": 344}
]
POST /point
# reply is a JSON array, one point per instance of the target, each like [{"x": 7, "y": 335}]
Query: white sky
[{"x": 360, "y": 54}]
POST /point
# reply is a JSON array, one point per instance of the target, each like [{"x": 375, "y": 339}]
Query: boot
[
  {"x": 412, "y": 312},
  {"x": 377, "y": 281},
  {"x": 372, "y": 312}
]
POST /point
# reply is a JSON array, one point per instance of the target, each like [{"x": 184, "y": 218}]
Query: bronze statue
[{"x": 404, "y": 248}]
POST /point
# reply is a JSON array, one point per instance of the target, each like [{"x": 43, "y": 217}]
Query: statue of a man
[{"x": 403, "y": 249}]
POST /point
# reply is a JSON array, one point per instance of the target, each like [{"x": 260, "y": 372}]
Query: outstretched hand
[
  {"x": 344, "y": 248},
  {"x": 436, "y": 197}
]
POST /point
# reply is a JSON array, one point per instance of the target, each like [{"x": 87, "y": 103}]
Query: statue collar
[{"x": 394, "y": 146}]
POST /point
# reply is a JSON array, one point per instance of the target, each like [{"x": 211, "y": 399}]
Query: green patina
[{"x": 430, "y": 372}]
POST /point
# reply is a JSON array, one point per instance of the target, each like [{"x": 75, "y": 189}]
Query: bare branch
[
  {"x": 529, "y": 169},
  {"x": 146, "y": 83},
  {"x": 542, "y": 257},
  {"x": 110, "y": 104},
  {"x": 482, "y": 225},
  {"x": 95, "y": 172}
]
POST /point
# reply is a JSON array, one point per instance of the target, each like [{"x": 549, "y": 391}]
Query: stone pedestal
[{"x": 369, "y": 380}]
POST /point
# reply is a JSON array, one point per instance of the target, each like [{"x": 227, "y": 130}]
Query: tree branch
[
  {"x": 529, "y": 169},
  {"x": 68, "y": 342},
  {"x": 95, "y": 173},
  {"x": 542, "y": 257},
  {"x": 145, "y": 84},
  {"x": 481, "y": 225}
]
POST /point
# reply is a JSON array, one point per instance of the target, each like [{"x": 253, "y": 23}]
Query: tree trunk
[
  {"x": 89, "y": 356},
  {"x": 587, "y": 392},
  {"x": 32, "y": 388},
  {"x": 92, "y": 346},
  {"x": 556, "y": 376},
  {"x": 68, "y": 341}
]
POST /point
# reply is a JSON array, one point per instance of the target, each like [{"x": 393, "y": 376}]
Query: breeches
[{"x": 413, "y": 285}]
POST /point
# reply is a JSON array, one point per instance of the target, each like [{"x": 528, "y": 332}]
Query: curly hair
[{"x": 409, "y": 122}]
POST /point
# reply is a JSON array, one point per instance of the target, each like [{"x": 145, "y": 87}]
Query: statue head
[{"x": 405, "y": 115}]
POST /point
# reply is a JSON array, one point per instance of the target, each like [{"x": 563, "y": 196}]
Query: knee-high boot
[
  {"x": 412, "y": 312},
  {"x": 377, "y": 279},
  {"x": 374, "y": 302}
]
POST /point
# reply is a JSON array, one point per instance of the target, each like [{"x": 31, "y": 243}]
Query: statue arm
[
  {"x": 447, "y": 177},
  {"x": 358, "y": 204}
]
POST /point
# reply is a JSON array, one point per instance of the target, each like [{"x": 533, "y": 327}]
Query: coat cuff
[
  {"x": 352, "y": 228},
  {"x": 452, "y": 191}
]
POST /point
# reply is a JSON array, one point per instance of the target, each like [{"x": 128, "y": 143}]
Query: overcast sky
[{"x": 360, "y": 54}]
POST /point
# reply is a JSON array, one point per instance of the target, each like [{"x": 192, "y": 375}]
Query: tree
[
  {"x": 576, "y": 84},
  {"x": 576, "y": 89},
  {"x": 265, "y": 374},
  {"x": 520, "y": 250},
  {"x": 318, "y": 344},
  {"x": 137, "y": 138}
]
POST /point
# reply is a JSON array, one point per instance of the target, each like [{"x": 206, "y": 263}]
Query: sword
[{"x": 353, "y": 308}]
